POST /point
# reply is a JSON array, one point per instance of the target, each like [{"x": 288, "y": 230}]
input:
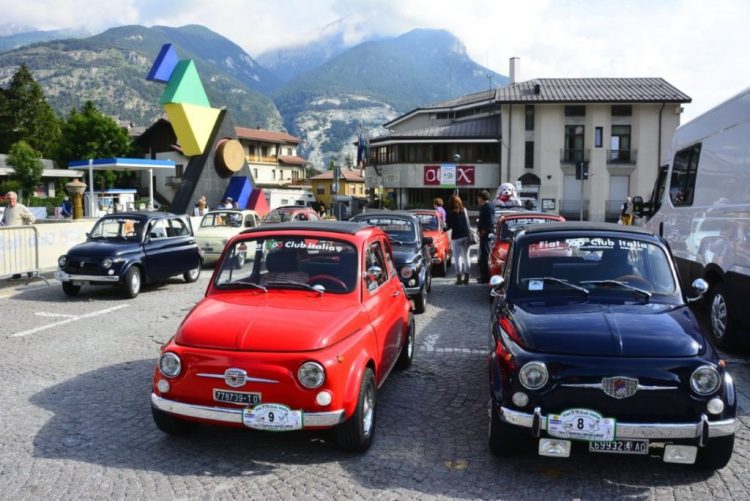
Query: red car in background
[
  {"x": 433, "y": 226},
  {"x": 506, "y": 227},
  {"x": 298, "y": 334}
]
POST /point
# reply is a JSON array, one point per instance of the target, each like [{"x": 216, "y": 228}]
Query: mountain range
[{"x": 323, "y": 92}]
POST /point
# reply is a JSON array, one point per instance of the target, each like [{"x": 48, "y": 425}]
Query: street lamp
[
  {"x": 456, "y": 160},
  {"x": 76, "y": 189}
]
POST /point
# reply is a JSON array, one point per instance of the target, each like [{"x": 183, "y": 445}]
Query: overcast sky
[{"x": 698, "y": 46}]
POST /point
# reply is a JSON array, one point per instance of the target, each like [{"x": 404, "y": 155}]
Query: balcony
[
  {"x": 622, "y": 156},
  {"x": 574, "y": 156},
  {"x": 261, "y": 159}
]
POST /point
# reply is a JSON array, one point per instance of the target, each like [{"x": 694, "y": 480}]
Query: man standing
[
  {"x": 484, "y": 228},
  {"x": 16, "y": 214},
  {"x": 626, "y": 212}
]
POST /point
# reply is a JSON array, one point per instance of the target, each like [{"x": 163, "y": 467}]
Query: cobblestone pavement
[{"x": 75, "y": 418}]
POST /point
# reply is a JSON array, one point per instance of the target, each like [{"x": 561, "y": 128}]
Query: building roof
[
  {"x": 291, "y": 160},
  {"x": 350, "y": 175},
  {"x": 592, "y": 90},
  {"x": 467, "y": 101},
  {"x": 50, "y": 169},
  {"x": 478, "y": 128},
  {"x": 266, "y": 135}
]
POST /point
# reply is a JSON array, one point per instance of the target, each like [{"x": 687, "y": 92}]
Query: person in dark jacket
[
  {"x": 484, "y": 228},
  {"x": 458, "y": 221}
]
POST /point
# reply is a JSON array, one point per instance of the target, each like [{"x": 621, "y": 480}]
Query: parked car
[
  {"x": 596, "y": 346},
  {"x": 434, "y": 227},
  {"x": 129, "y": 249},
  {"x": 291, "y": 213},
  {"x": 411, "y": 251},
  {"x": 218, "y": 226},
  {"x": 301, "y": 335},
  {"x": 507, "y": 226}
]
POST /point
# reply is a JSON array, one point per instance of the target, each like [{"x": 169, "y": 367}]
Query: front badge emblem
[
  {"x": 235, "y": 377},
  {"x": 620, "y": 387}
]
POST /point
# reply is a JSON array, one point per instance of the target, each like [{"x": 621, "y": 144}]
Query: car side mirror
[
  {"x": 374, "y": 273},
  {"x": 700, "y": 287},
  {"x": 497, "y": 284},
  {"x": 638, "y": 206},
  {"x": 426, "y": 240}
]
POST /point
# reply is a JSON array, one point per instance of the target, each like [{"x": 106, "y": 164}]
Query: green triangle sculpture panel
[{"x": 185, "y": 86}]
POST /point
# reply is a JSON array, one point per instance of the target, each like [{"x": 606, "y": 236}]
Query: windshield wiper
[
  {"x": 559, "y": 281},
  {"x": 620, "y": 284},
  {"x": 294, "y": 285},
  {"x": 396, "y": 242},
  {"x": 257, "y": 286}
]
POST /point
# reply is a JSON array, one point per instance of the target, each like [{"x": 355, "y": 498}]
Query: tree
[
  {"x": 25, "y": 115},
  {"x": 27, "y": 162},
  {"x": 349, "y": 161},
  {"x": 88, "y": 134}
]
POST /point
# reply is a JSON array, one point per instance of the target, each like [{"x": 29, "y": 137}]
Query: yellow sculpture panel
[{"x": 192, "y": 124}]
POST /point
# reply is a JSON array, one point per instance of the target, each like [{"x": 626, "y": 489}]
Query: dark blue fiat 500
[
  {"x": 130, "y": 249},
  {"x": 593, "y": 347}
]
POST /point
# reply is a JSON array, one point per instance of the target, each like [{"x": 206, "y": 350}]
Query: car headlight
[
  {"x": 311, "y": 375},
  {"x": 705, "y": 380},
  {"x": 170, "y": 364},
  {"x": 106, "y": 263},
  {"x": 62, "y": 261},
  {"x": 406, "y": 272},
  {"x": 533, "y": 375}
]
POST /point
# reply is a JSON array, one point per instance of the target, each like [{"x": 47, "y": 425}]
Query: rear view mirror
[
  {"x": 374, "y": 273},
  {"x": 638, "y": 206},
  {"x": 700, "y": 287}
]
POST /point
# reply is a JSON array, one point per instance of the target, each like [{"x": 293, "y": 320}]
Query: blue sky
[{"x": 697, "y": 46}]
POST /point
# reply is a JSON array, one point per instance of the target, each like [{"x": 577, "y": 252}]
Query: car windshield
[
  {"x": 429, "y": 221},
  {"x": 117, "y": 228},
  {"x": 221, "y": 219},
  {"x": 627, "y": 265},
  {"x": 511, "y": 226},
  {"x": 399, "y": 230},
  {"x": 289, "y": 262},
  {"x": 279, "y": 216}
]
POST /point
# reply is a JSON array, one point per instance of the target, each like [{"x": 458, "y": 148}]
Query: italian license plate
[
  {"x": 620, "y": 447},
  {"x": 236, "y": 397},
  {"x": 272, "y": 417},
  {"x": 581, "y": 424}
]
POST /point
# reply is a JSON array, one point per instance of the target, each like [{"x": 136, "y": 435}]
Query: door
[
  {"x": 619, "y": 189},
  {"x": 571, "y": 203}
]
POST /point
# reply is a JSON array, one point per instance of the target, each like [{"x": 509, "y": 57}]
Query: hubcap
[
  {"x": 135, "y": 282},
  {"x": 194, "y": 273},
  {"x": 719, "y": 316},
  {"x": 410, "y": 340},
  {"x": 368, "y": 410}
]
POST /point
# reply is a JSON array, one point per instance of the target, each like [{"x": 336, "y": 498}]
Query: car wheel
[
  {"x": 723, "y": 328},
  {"x": 420, "y": 302},
  {"x": 355, "y": 434},
  {"x": 716, "y": 454},
  {"x": 133, "y": 282},
  {"x": 502, "y": 438},
  {"x": 407, "y": 349},
  {"x": 428, "y": 280},
  {"x": 191, "y": 276},
  {"x": 442, "y": 269},
  {"x": 71, "y": 290},
  {"x": 170, "y": 424}
]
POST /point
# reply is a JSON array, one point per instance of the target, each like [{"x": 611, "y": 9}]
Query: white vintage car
[{"x": 218, "y": 226}]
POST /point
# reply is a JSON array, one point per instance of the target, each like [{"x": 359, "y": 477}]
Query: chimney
[{"x": 515, "y": 69}]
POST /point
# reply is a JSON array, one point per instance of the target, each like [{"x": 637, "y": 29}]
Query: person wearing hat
[{"x": 228, "y": 204}]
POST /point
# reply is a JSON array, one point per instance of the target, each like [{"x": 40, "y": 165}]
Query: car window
[
  {"x": 510, "y": 226},
  {"x": 429, "y": 221},
  {"x": 398, "y": 229},
  {"x": 117, "y": 228},
  {"x": 177, "y": 228},
  {"x": 158, "y": 229},
  {"x": 250, "y": 221},
  {"x": 302, "y": 216},
  {"x": 375, "y": 257}
]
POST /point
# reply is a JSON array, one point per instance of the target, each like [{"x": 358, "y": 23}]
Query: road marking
[
  {"x": 69, "y": 320},
  {"x": 452, "y": 350},
  {"x": 64, "y": 315}
]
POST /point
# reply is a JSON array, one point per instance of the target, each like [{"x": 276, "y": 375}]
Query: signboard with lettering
[{"x": 449, "y": 175}]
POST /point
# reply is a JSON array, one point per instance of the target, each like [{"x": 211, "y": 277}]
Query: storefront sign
[{"x": 449, "y": 175}]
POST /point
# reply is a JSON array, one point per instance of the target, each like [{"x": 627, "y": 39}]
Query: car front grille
[{"x": 77, "y": 266}]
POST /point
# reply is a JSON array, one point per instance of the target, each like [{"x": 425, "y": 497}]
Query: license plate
[
  {"x": 581, "y": 424},
  {"x": 208, "y": 249},
  {"x": 620, "y": 447},
  {"x": 236, "y": 397},
  {"x": 272, "y": 417}
]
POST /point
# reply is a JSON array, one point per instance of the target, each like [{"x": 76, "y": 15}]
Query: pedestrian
[
  {"x": 626, "y": 212},
  {"x": 484, "y": 228},
  {"x": 16, "y": 215},
  {"x": 228, "y": 203},
  {"x": 457, "y": 220},
  {"x": 201, "y": 207},
  {"x": 66, "y": 207},
  {"x": 437, "y": 204}
]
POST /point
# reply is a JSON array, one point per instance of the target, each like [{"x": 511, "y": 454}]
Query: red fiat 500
[
  {"x": 440, "y": 249},
  {"x": 508, "y": 225},
  {"x": 300, "y": 326}
]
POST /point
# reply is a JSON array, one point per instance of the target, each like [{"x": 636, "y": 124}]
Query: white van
[{"x": 701, "y": 205}]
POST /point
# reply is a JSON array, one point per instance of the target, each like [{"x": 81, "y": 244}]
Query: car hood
[
  {"x": 103, "y": 248},
  {"x": 609, "y": 330},
  {"x": 403, "y": 254},
  {"x": 277, "y": 320}
]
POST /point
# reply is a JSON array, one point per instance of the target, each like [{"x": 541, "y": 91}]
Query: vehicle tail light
[{"x": 507, "y": 326}]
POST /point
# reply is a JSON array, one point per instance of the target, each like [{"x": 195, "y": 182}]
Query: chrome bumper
[
  {"x": 652, "y": 431},
  {"x": 226, "y": 415},
  {"x": 65, "y": 277},
  {"x": 412, "y": 291}
]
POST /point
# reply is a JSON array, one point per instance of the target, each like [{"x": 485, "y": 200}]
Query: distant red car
[
  {"x": 300, "y": 326},
  {"x": 433, "y": 226},
  {"x": 291, "y": 214},
  {"x": 506, "y": 227}
]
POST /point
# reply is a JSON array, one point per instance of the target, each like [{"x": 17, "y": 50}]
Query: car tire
[
  {"x": 132, "y": 282},
  {"x": 71, "y": 290},
  {"x": 428, "y": 280},
  {"x": 191, "y": 276},
  {"x": 503, "y": 440},
  {"x": 723, "y": 326},
  {"x": 716, "y": 454},
  {"x": 420, "y": 302},
  {"x": 170, "y": 424},
  {"x": 407, "y": 349},
  {"x": 441, "y": 269},
  {"x": 356, "y": 434}
]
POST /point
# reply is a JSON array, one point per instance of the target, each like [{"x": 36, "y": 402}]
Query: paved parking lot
[{"x": 75, "y": 420}]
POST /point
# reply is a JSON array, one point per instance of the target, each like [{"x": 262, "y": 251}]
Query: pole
[
  {"x": 580, "y": 218},
  {"x": 92, "y": 201}
]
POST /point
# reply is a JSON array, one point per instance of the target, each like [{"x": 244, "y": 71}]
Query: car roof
[
  {"x": 345, "y": 227},
  {"x": 580, "y": 226},
  {"x": 243, "y": 211},
  {"x": 292, "y": 207},
  {"x": 521, "y": 215},
  {"x": 391, "y": 213},
  {"x": 142, "y": 214}
]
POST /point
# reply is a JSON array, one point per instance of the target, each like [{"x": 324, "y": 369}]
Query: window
[
  {"x": 273, "y": 174},
  {"x": 255, "y": 173},
  {"x": 575, "y": 111},
  {"x": 289, "y": 151},
  {"x": 684, "y": 173},
  {"x": 598, "y": 137},
  {"x": 158, "y": 229},
  {"x": 529, "y": 117},
  {"x": 374, "y": 257},
  {"x": 620, "y": 144},
  {"x": 179, "y": 170},
  {"x": 622, "y": 110},
  {"x": 529, "y": 159},
  {"x": 574, "y": 143},
  {"x": 321, "y": 190},
  {"x": 177, "y": 228}
]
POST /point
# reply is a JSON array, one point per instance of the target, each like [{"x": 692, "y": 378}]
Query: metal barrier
[{"x": 19, "y": 251}]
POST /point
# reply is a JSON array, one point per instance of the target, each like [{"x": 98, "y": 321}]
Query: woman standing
[{"x": 458, "y": 222}]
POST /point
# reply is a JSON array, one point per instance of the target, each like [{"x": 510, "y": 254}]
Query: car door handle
[{"x": 396, "y": 293}]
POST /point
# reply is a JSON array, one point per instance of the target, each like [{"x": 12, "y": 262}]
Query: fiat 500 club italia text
[
  {"x": 301, "y": 333},
  {"x": 130, "y": 249},
  {"x": 592, "y": 343}
]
